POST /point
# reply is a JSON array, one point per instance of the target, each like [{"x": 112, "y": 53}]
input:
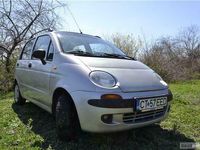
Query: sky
[{"x": 151, "y": 19}]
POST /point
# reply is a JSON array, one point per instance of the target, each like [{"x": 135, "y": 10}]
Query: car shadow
[{"x": 152, "y": 137}]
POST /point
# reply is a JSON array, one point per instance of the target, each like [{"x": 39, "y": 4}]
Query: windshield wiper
[
  {"x": 84, "y": 53},
  {"x": 79, "y": 52},
  {"x": 117, "y": 56}
]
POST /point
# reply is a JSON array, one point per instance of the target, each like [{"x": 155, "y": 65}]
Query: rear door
[
  {"x": 22, "y": 71},
  {"x": 40, "y": 73}
]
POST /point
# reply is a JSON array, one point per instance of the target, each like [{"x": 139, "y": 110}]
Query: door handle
[{"x": 30, "y": 65}]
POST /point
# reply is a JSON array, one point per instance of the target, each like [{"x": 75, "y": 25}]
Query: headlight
[
  {"x": 161, "y": 80},
  {"x": 103, "y": 79},
  {"x": 163, "y": 83}
]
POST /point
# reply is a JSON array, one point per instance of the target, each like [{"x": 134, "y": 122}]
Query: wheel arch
[{"x": 58, "y": 91}]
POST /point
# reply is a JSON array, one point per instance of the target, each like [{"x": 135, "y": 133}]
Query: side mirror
[{"x": 40, "y": 54}]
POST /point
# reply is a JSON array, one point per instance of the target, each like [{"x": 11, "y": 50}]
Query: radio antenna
[{"x": 74, "y": 19}]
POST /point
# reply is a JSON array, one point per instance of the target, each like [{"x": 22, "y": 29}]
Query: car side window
[
  {"x": 50, "y": 52},
  {"x": 26, "y": 53},
  {"x": 42, "y": 43}
]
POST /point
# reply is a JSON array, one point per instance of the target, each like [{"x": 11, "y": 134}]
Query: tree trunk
[
  {"x": 9, "y": 53},
  {"x": 7, "y": 64}
]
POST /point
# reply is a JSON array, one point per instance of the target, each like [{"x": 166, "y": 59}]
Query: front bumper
[{"x": 123, "y": 118}]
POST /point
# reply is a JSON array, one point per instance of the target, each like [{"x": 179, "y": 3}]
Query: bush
[
  {"x": 175, "y": 58},
  {"x": 7, "y": 78}
]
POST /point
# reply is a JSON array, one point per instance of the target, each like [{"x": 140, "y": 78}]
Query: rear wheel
[
  {"x": 18, "y": 99},
  {"x": 67, "y": 124}
]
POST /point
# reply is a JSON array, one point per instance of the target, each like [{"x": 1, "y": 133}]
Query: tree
[
  {"x": 189, "y": 41},
  {"x": 127, "y": 43},
  {"x": 176, "y": 58},
  {"x": 22, "y": 19}
]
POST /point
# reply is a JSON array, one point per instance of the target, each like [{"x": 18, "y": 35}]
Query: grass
[{"x": 29, "y": 127}]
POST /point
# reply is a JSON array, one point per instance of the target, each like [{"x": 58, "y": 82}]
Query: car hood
[{"x": 133, "y": 76}]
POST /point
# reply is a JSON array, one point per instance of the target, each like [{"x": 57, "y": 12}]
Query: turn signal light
[{"x": 111, "y": 97}]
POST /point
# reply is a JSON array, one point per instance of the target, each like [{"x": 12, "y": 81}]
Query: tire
[
  {"x": 18, "y": 99},
  {"x": 67, "y": 124}
]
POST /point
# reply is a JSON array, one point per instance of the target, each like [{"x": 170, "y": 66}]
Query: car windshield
[{"x": 85, "y": 45}]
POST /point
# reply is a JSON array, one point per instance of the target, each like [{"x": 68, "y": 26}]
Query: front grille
[{"x": 138, "y": 117}]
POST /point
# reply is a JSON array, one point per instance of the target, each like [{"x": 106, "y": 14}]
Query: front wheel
[
  {"x": 67, "y": 124},
  {"x": 18, "y": 99}
]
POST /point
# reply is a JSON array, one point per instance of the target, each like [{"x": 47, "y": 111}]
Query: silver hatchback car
[{"x": 89, "y": 84}]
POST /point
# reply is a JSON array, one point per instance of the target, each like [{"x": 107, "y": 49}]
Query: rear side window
[{"x": 27, "y": 50}]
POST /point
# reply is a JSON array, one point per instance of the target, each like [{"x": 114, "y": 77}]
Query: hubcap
[{"x": 16, "y": 96}]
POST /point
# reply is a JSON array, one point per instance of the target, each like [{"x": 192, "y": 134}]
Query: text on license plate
[{"x": 151, "y": 103}]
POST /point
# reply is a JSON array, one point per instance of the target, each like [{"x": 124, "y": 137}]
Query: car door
[
  {"x": 22, "y": 71},
  {"x": 40, "y": 73}
]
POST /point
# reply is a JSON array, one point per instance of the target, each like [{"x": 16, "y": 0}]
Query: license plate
[{"x": 148, "y": 104}]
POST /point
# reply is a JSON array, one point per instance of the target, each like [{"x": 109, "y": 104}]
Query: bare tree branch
[{"x": 23, "y": 19}]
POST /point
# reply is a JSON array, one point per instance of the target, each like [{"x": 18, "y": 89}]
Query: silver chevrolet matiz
[{"x": 89, "y": 84}]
